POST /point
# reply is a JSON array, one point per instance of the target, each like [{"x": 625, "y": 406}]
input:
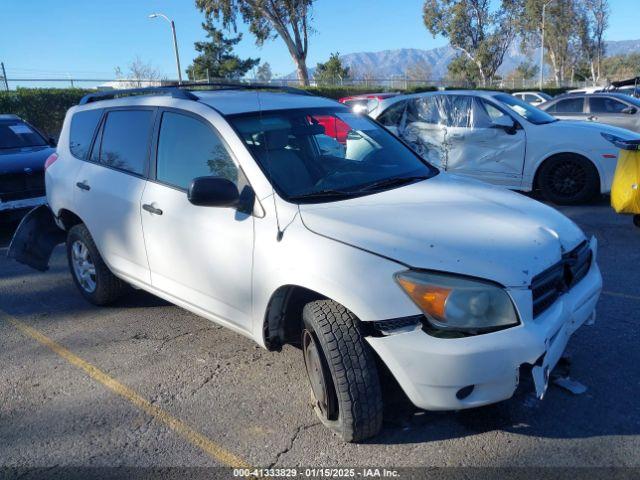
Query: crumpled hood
[
  {"x": 16, "y": 160},
  {"x": 452, "y": 224},
  {"x": 594, "y": 127}
]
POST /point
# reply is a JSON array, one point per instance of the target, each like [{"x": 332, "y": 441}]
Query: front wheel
[
  {"x": 342, "y": 371},
  {"x": 90, "y": 274},
  {"x": 568, "y": 180}
]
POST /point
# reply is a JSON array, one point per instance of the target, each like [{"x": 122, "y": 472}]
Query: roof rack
[
  {"x": 169, "y": 90},
  {"x": 179, "y": 91},
  {"x": 244, "y": 86}
]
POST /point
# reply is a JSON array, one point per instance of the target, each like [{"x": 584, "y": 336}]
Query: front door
[{"x": 199, "y": 255}]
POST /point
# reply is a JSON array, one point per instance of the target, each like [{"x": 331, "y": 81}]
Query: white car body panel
[{"x": 226, "y": 266}]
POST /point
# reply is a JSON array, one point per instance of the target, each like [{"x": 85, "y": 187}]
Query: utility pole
[{"x": 4, "y": 77}]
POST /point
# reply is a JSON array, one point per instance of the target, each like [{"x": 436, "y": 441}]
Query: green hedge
[{"x": 44, "y": 108}]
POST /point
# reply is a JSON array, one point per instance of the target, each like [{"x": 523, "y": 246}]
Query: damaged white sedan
[
  {"x": 248, "y": 208},
  {"x": 500, "y": 139}
]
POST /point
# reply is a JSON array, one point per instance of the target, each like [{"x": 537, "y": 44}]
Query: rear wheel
[
  {"x": 342, "y": 371},
  {"x": 90, "y": 274},
  {"x": 568, "y": 180}
]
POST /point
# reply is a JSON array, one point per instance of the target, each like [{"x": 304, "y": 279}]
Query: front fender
[{"x": 35, "y": 238}]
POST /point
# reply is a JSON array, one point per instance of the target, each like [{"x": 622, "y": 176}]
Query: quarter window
[
  {"x": 392, "y": 116},
  {"x": 189, "y": 148},
  {"x": 83, "y": 124},
  {"x": 605, "y": 105},
  {"x": 125, "y": 140}
]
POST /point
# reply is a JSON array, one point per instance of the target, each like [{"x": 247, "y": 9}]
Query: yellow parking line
[
  {"x": 209, "y": 447},
  {"x": 621, "y": 295}
]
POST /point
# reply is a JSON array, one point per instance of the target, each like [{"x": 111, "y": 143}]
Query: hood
[
  {"x": 451, "y": 224},
  {"x": 17, "y": 159},
  {"x": 595, "y": 127}
]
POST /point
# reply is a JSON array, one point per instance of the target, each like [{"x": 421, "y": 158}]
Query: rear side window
[
  {"x": 189, "y": 148},
  {"x": 83, "y": 125},
  {"x": 125, "y": 140},
  {"x": 569, "y": 105},
  {"x": 605, "y": 105}
]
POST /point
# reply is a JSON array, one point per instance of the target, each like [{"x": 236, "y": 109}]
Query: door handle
[
  {"x": 151, "y": 209},
  {"x": 83, "y": 185}
]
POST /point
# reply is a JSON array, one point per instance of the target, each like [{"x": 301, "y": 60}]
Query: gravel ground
[{"x": 254, "y": 405}]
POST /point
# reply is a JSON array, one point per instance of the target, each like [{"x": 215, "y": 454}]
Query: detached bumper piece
[{"x": 36, "y": 237}]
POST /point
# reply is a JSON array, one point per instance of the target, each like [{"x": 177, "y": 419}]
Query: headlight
[
  {"x": 623, "y": 143},
  {"x": 458, "y": 303}
]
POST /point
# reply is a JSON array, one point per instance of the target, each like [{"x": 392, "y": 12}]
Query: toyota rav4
[{"x": 238, "y": 205}]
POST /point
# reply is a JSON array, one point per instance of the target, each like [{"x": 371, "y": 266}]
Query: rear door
[
  {"x": 109, "y": 187},
  {"x": 199, "y": 255}
]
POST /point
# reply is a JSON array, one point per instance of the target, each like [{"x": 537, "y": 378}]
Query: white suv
[{"x": 239, "y": 206}]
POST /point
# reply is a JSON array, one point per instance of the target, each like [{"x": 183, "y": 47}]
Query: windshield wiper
[
  {"x": 322, "y": 194},
  {"x": 392, "y": 182}
]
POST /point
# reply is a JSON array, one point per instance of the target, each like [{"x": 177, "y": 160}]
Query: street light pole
[
  {"x": 544, "y": 7},
  {"x": 175, "y": 41}
]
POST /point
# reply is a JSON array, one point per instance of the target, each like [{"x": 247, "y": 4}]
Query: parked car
[
  {"x": 615, "y": 109},
  {"x": 497, "y": 138},
  {"x": 533, "y": 98},
  {"x": 588, "y": 90},
  {"x": 224, "y": 203},
  {"x": 366, "y": 102},
  {"x": 23, "y": 152}
]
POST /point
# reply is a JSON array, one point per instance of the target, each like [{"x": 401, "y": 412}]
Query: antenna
[{"x": 280, "y": 233}]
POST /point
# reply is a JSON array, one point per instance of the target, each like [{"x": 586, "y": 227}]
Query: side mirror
[
  {"x": 213, "y": 192},
  {"x": 506, "y": 123},
  {"x": 629, "y": 110}
]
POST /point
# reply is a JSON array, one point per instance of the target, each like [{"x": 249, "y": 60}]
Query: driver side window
[{"x": 189, "y": 148}]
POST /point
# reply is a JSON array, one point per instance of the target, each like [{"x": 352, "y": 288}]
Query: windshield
[
  {"x": 529, "y": 112},
  {"x": 17, "y": 134},
  {"x": 327, "y": 152}
]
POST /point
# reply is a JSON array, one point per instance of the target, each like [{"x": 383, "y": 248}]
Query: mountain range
[{"x": 389, "y": 63}]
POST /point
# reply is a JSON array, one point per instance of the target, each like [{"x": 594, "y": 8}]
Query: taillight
[{"x": 49, "y": 161}]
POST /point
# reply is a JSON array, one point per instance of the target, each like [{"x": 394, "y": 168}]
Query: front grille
[
  {"x": 547, "y": 286},
  {"x": 18, "y": 186}
]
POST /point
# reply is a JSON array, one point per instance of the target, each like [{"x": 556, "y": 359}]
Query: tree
[
  {"x": 562, "y": 38},
  {"x": 264, "y": 73},
  {"x": 139, "y": 74},
  {"x": 461, "y": 70},
  {"x": 527, "y": 70},
  {"x": 332, "y": 71},
  {"x": 420, "y": 70},
  {"x": 288, "y": 19},
  {"x": 483, "y": 36},
  {"x": 216, "y": 58},
  {"x": 597, "y": 21}
]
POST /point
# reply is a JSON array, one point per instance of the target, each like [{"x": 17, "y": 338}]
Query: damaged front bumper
[
  {"x": 21, "y": 204},
  {"x": 459, "y": 373}
]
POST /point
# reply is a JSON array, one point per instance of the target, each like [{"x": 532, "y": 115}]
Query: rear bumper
[
  {"x": 431, "y": 370},
  {"x": 21, "y": 204}
]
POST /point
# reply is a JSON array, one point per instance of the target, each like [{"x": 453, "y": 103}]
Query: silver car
[{"x": 614, "y": 109}]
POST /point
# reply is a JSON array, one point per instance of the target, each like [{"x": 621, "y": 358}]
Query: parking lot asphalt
[{"x": 145, "y": 383}]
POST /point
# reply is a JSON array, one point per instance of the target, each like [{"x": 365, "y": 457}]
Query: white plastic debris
[{"x": 570, "y": 384}]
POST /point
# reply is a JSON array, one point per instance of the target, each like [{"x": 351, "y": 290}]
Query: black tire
[
  {"x": 568, "y": 180},
  {"x": 108, "y": 288},
  {"x": 353, "y": 407}
]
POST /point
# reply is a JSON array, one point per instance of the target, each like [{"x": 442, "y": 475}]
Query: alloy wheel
[{"x": 83, "y": 266}]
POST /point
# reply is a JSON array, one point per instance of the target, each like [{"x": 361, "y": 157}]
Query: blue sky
[{"x": 90, "y": 38}]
